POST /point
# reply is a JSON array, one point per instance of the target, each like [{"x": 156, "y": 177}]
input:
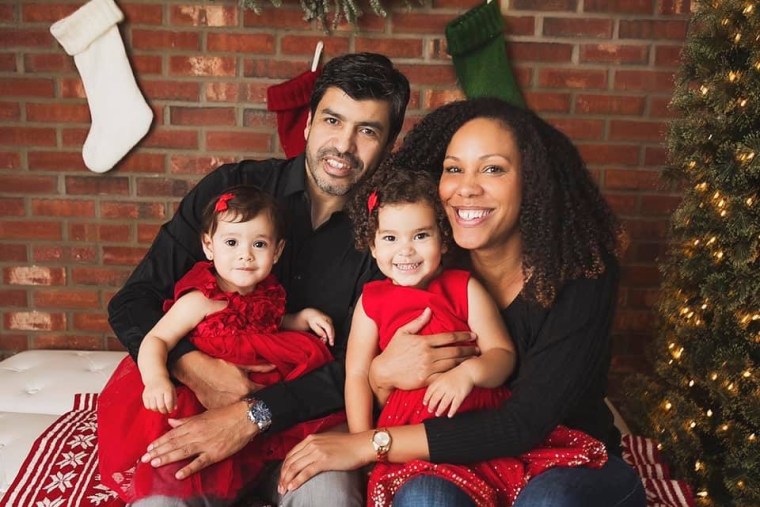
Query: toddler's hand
[
  {"x": 447, "y": 392},
  {"x": 320, "y": 324},
  {"x": 160, "y": 396}
]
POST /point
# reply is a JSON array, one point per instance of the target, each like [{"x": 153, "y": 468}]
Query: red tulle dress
[
  {"x": 488, "y": 483},
  {"x": 244, "y": 333}
]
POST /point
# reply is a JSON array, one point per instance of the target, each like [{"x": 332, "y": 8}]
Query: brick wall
[{"x": 601, "y": 70}]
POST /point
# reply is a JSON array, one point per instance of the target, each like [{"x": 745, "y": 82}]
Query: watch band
[{"x": 258, "y": 413}]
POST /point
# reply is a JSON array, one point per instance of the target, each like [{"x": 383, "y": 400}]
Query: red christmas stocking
[{"x": 290, "y": 100}]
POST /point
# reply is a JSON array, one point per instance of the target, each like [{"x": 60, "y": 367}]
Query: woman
[{"x": 544, "y": 243}]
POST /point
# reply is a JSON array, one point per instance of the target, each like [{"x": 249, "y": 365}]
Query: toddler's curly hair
[{"x": 394, "y": 185}]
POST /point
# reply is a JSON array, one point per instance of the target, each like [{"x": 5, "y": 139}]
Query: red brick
[
  {"x": 578, "y": 27},
  {"x": 12, "y": 297},
  {"x": 142, "y": 14},
  {"x": 640, "y": 276},
  {"x": 619, "y": 6},
  {"x": 652, "y": 29},
  {"x": 288, "y": 18},
  {"x": 674, "y": 7},
  {"x": 547, "y": 5},
  {"x": 571, "y": 78},
  {"x": 335, "y": 45},
  {"x": 98, "y": 276},
  {"x": 258, "y": 43},
  {"x": 132, "y": 210},
  {"x": 456, "y": 4},
  {"x": 392, "y": 48},
  {"x": 647, "y": 252},
  {"x": 100, "y": 232},
  {"x": 548, "y": 102},
  {"x": 540, "y": 52},
  {"x": 637, "y": 130},
  {"x": 659, "y": 205},
  {"x": 204, "y": 15},
  {"x": 172, "y": 139},
  {"x": 63, "y": 208},
  {"x": 633, "y": 320},
  {"x": 622, "y": 204},
  {"x": 35, "y": 321},
  {"x": 667, "y": 56},
  {"x": 659, "y": 107},
  {"x": 66, "y": 299},
  {"x": 212, "y": 66},
  {"x": 26, "y": 87},
  {"x": 147, "y": 64},
  {"x": 146, "y": 233},
  {"x": 614, "y": 53},
  {"x": 114, "y": 344},
  {"x": 369, "y": 22},
  {"x": 187, "y": 164},
  {"x": 30, "y": 230},
  {"x": 161, "y": 40},
  {"x": 273, "y": 69},
  {"x": 46, "y": 12},
  {"x": 68, "y": 342},
  {"x": 433, "y": 99},
  {"x": 25, "y": 38},
  {"x": 161, "y": 187},
  {"x": 172, "y": 90},
  {"x": 67, "y": 113},
  {"x": 259, "y": 119},
  {"x": 643, "y": 297},
  {"x": 239, "y": 141},
  {"x": 47, "y": 62},
  {"x": 34, "y": 275},
  {"x": 56, "y": 161},
  {"x": 58, "y": 253},
  {"x": 610, "y": 104},
  {"x": 655, "y": 156},
  {"x": 122, "y": 256},
  {"x": 7, "y": 14},
  {"x": 256, "y": 92},
  {"x": 8, "y": 62},
  {"x": 631, "y": 179},
  {"x": 644, "y": 81},
  {"x": 418, "y": 22},
  {"x": 13, "y": 342},
  {"x": 646, "y": 230},
  {"x": 12, "y": 253},
  {"x": 429, "y": 74},
  {"x": 519, "y": 25},
  {"x": 136, "y": 162},
  {"x": 202, "y": 116},
  {"x": 97, "y": 185},
  {"x": 618, "y": 154},
  {"x": 12, "y": 207},
  {"x": 72, "y": 89},
  {"x": 222, "y": 92},
  {"x": 91, "y": 322},
  {"x": 9, "y": 160},
  {"x": 28, "y": 136},
  {"x": 579, "y": 128}
]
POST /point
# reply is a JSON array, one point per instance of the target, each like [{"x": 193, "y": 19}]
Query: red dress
[
  {"x": 244, "y": 333},
  {"x": 488, "y": 483}
]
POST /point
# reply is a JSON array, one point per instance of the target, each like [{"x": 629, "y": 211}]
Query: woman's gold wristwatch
[{"x": 381, "y": 441}]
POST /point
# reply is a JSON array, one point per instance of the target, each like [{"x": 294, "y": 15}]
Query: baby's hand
[
  {"x": 160, "y": 396},
  {"x": 320, "y": 324},
  {"x": 448, "y": 391}
]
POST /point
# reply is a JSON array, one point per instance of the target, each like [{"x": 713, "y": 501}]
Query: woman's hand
[
  {"x": 410, "y": 360},
  {"x": 324, "y": 451}
]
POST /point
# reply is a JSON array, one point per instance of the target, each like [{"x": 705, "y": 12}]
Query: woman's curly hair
[
  {"x": 393, "y": 185},
  {"x": 568, "y": 230}
]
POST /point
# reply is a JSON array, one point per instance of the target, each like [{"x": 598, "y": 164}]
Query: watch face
[{"x": 382, "y": 438}]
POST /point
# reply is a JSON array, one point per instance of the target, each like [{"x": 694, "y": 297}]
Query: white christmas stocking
[{"x": 120, "y": 116}]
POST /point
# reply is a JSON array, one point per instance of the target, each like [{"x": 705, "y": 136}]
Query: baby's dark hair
[
  {"x": 394, "y": 185},
  {"x": 243, "y": 203}
]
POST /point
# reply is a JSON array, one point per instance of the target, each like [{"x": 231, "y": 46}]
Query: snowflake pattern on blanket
[{"x": 61, "y": 469}]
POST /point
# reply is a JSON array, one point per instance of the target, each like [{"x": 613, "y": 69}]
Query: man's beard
[{"x": 322, "y": 181}]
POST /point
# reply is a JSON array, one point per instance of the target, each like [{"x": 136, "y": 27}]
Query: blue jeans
[{"x": 614, "y": 485}]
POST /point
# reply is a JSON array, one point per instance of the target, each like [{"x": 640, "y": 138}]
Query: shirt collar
[{"x": 295, "y": 177}]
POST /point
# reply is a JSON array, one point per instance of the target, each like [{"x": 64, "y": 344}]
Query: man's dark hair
[{"x": 364, "y": 76}]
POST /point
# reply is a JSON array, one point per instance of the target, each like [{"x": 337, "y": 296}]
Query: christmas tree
[{"x": 702, "y": 403}]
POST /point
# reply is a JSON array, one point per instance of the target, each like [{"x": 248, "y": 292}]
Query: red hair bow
[
  {"x": 221, "y": 204},
  {"x": 372, "y": 201}
]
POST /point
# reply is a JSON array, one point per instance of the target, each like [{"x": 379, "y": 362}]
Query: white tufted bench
[{"x": 35, "y": 388}]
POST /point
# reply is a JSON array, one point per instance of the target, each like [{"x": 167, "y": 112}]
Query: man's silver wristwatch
[{"x": 258, "y": 413}]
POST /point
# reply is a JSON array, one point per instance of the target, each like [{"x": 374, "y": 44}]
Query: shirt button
[{"x": 298, "y": 278}]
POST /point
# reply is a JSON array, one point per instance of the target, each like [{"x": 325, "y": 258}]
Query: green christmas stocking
[{"x": 476, "y": 44}]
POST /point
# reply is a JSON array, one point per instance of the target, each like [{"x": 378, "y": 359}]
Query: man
[{"x": 356, "y": 112}]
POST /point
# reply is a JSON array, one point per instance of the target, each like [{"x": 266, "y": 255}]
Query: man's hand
[
  {"x": 208, "y": 437},
  {"x": 321, "y": 452},
  {"x": 411, "y": 361},
  {"x": 215, "y": 382},
  {"x": 446, "y": 393}
]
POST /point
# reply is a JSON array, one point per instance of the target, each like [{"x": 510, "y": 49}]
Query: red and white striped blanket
[{"x": 61, "y": 470}]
